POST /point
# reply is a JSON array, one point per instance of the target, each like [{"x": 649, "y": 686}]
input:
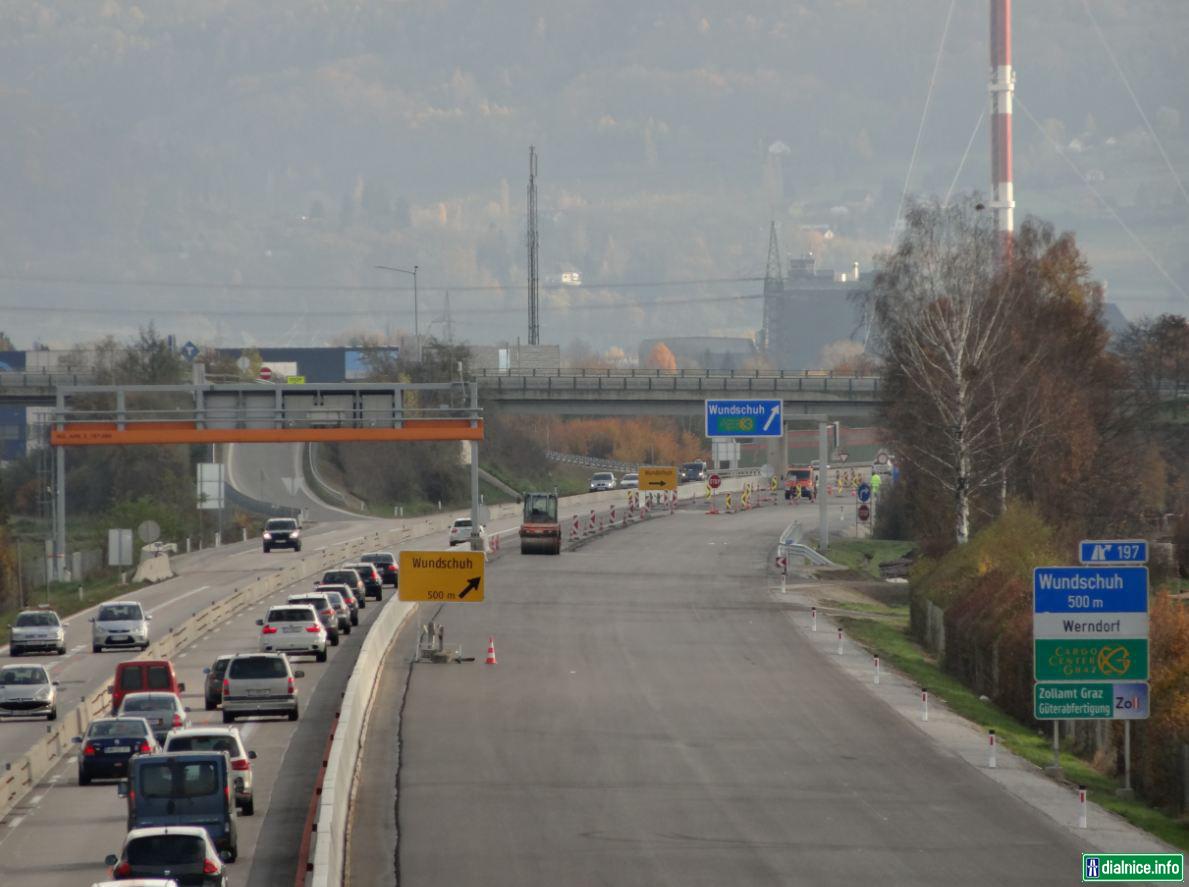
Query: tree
[
  {"x": 660, "y": 358},
  {"x": 942, "y": 323}
]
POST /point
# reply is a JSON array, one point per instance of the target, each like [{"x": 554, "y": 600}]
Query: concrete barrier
[{"x": 153, "y": 569}]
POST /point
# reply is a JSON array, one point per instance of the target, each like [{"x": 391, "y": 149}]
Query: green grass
[
  {"x": 892, "y": 644},
  {"x": 64, "y": 598},
  {"x": 875, "y": 608},
  {"x": 865, "y": 555}
]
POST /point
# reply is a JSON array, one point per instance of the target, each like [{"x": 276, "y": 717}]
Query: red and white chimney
[{"x": 1003, "y": 83}]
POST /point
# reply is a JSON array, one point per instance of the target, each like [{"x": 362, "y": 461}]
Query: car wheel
[
  {"x": 363, "y": 601},
  {"x": 297, "y": 548},
  {"x": 234, "y": 851},
  {"x": 347, "y": 628},
  {"x": 53, "y": 715},
  {"x": 267, "y": 549},
  {"x": 83, "y": 778},
  {"x": 16, "y": 651},
  {"x": 209, "y": 705},
  {"x": 248, "y": 808},
  {"x": 354, "y": 618},
  {"x": 95, "y": 648},
  {"x": 228, "y": 717},
  {"x": 61, "y": 651},
  {"x": 293, "y": 715},
  {"x": 320, "y": 656},
  {"x": 334, "y": 641}
]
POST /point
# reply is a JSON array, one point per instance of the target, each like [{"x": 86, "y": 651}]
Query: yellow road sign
[
  {"x": 296, "y": 380},
  {"x": 658, "y": 478},
  {"x": 441, "y": 576}
]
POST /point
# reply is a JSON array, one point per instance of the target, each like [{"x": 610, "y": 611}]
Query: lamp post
[{"x": 416, "y": 323}]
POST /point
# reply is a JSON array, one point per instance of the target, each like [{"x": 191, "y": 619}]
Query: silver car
[
  {"x": 260, "y": 684},
  {"x": 629, "y": 481},
  {"x": 602, "y": 480},
  {"x": 37, "y": 630},
  {"x": 163, "y": 711},
  {"x": 120, "y": 624},
  {"x": 293, "y": 630},
  {"x": 27, "y": 691}
]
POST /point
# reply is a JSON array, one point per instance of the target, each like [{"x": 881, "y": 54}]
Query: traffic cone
[{"x": 490, "y": 652}]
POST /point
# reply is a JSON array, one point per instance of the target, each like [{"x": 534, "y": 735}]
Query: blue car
[{"x": 109, "y": 744}]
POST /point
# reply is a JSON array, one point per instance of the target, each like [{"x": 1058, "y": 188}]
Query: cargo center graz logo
[{"x": 1114, "y": 660}]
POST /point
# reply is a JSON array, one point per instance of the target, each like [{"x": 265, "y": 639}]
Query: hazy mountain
[{"x": 221, "y": 166}]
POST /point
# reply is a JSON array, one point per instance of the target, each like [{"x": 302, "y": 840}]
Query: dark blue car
[{"x": 109, "y": 744}]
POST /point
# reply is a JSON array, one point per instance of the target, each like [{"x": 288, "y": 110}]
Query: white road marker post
[
  {"x": 877, "y": 670},
  {"x": 924, "y": 703},
  {"x": 813, "y": 613},
  {"x": 1081, "y": 806},
  {"x": 840, "y": 642},
  {"x": 992, "y": 743}
]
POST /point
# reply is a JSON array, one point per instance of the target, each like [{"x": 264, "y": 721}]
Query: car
[
  {"x": 39, "y": 629},
  {"x": 629, "y": 481},
  {"x": 293, "y": 630},
  {"x": 386, "y": 564},
  {"x": 692, "y": 472},
  {"x": 27, "y": 691},
  {"x": 223, "y": 739},
  {"x": 212, "y": 690},
  {"x": 137, "y": 882},
  {"x": 373, "y": 582},
  {"x": 183, "y": 855},
  {"x": 602, "y": 480},
  {"x": 341, "y": 610},
  {"x": 163, "y": 711},
  {"x": 460, "y": 531},
  {"x": 325, "y": 610},
  {"x": 136, "y": 675},
  {"x": 183, "y": 788},
  {"x": 120, "y": 624},
  {"x": 349, "y": 599},
  {"x": 260, "y": 684},
  {"x": 108, "y": 746},
  {"x": 281, "y": 532},
  {"x": 350, "y": 578}
]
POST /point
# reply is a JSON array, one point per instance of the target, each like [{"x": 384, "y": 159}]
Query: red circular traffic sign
[
  {"x": 265, "y": 373},
  {"x": 864, "y": 511},
  {"x": 715, "y": 481}
]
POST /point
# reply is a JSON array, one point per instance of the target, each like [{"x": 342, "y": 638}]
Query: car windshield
[
  {"x": 24, "y": 620},
  {"x": 179, "y": 779},
  {"x": 540, "y": 507},
  {"x": 281, "y": 524},
  {"x": 114, "y": 728},
  {"x": 258, "y": 667},
  {"x": 15, "y": 675},
  {"x": 462, "y": 522},
  {"x": 204, "y": 743},
  {"x": 165, "y": 850},
  {"x": 692, "y": 466},
  {"x": 119, "y": 613},
  {"x": 798, "y": 474},
  {"x": 336, "y": 599},
  {"x": 602, "y": 477},
  {"x": 147, "y": 702},
  {"x": 290, "y": 614},
  {"x": 344, "y": 577}
]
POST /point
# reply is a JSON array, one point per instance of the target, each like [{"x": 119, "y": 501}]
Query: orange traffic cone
[{"x": 490, "y": 652}]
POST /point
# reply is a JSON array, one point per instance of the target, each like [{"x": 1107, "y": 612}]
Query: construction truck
[
  {"x": 540, "y": 530},
  {"x": 799, "y": 484}
]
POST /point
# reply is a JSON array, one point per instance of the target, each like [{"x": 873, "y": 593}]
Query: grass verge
[
  {"x": 894, "y": 646},
  {"x": 865, "y": 555}
]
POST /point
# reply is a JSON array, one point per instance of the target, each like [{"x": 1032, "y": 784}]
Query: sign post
[{"x": 1090, "y": 639}]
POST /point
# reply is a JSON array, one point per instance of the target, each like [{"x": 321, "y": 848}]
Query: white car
[
  {"x": 27, "y": 691},
  {"x": 37, "y": 630},
  {"x": 293, "y": 629},
  {"x": 223, "y": 739},
  {"x": 629, "y": 481},
  {"x": 120, "y": 624},
  {"x": 460, "y": 531},
  {"x": 183, "y": 852},
  {"x": 602, "y": 480}
]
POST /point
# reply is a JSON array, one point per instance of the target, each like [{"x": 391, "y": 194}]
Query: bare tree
[{"x": 943, "y": 323}]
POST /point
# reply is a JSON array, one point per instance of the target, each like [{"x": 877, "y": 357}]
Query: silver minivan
[
  {"x": 120, "y": 624},
  {"x": 260, "y": 684}
]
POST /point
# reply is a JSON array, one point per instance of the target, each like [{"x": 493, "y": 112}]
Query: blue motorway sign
[
  {"x": 1090, "y": 589},
  {"x": 744, "y": 418},
  {"x": 189, "y": 351},
  {"x": 1113, "y": 551},
  {"x": 864, "y": 492}
]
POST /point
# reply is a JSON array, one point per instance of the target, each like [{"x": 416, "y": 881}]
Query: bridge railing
[
  {"x": 638, "y": 372},
  {"x": 699, "y": 382},
  {"x": 13, "y": 379}
]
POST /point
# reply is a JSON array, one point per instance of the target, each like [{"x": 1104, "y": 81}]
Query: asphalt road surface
[
  {"x": 273, "y": 473},
  {"x": 655, "y": 719}
]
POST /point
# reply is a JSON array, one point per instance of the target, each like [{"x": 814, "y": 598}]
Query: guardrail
[
  {"x": 560, "y": 384},
  {"x": 640, "y": 373}
]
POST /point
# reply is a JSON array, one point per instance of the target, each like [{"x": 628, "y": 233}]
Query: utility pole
[
  {"x": 448, "y": 321},
  {"x": 416, "y": 320},
  {"x": 773, "y": 285},
  {"x": 534, "y": 305},
  {"x": 1003, "y": 85}
]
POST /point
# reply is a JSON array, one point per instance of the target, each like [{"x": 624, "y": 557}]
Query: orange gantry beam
[{"x": 106, "y": 434}]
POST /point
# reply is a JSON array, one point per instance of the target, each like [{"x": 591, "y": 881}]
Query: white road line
[
  {"x": 15, "y": 821},
  {"x": 178, "y": 598},
  {"x": 35, "y": 800}
]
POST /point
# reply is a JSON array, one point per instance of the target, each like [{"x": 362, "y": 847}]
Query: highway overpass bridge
[{"x": 676, "y": 392}]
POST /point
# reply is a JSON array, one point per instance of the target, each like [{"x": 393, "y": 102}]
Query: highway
[
  {"x": 656, "y": 719},
  {"x": 273, "y": 473}
]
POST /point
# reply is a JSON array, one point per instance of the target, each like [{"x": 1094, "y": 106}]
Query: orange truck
[{"x": 798, "y": 483}]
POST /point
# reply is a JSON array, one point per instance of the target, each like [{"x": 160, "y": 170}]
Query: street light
[{"x": 416, "y": 325}]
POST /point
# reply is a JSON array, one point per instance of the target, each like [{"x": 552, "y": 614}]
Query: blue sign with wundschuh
[
  {"x": 744, "y": 418},
  {"x": 1113, "y": 551},
  {"x": 1090, "y": 589}
]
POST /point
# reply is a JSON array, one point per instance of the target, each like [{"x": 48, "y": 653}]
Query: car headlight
[
  {"x": 44, "y": 693},
  {"x": 268, "y": 535},
  {"x": 295, "y": 534}
]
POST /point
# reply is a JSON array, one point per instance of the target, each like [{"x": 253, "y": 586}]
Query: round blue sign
[{"x": 864, "y": 492}]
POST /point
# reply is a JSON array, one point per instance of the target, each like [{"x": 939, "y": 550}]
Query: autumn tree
[{"x": 660, "y": 358}]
